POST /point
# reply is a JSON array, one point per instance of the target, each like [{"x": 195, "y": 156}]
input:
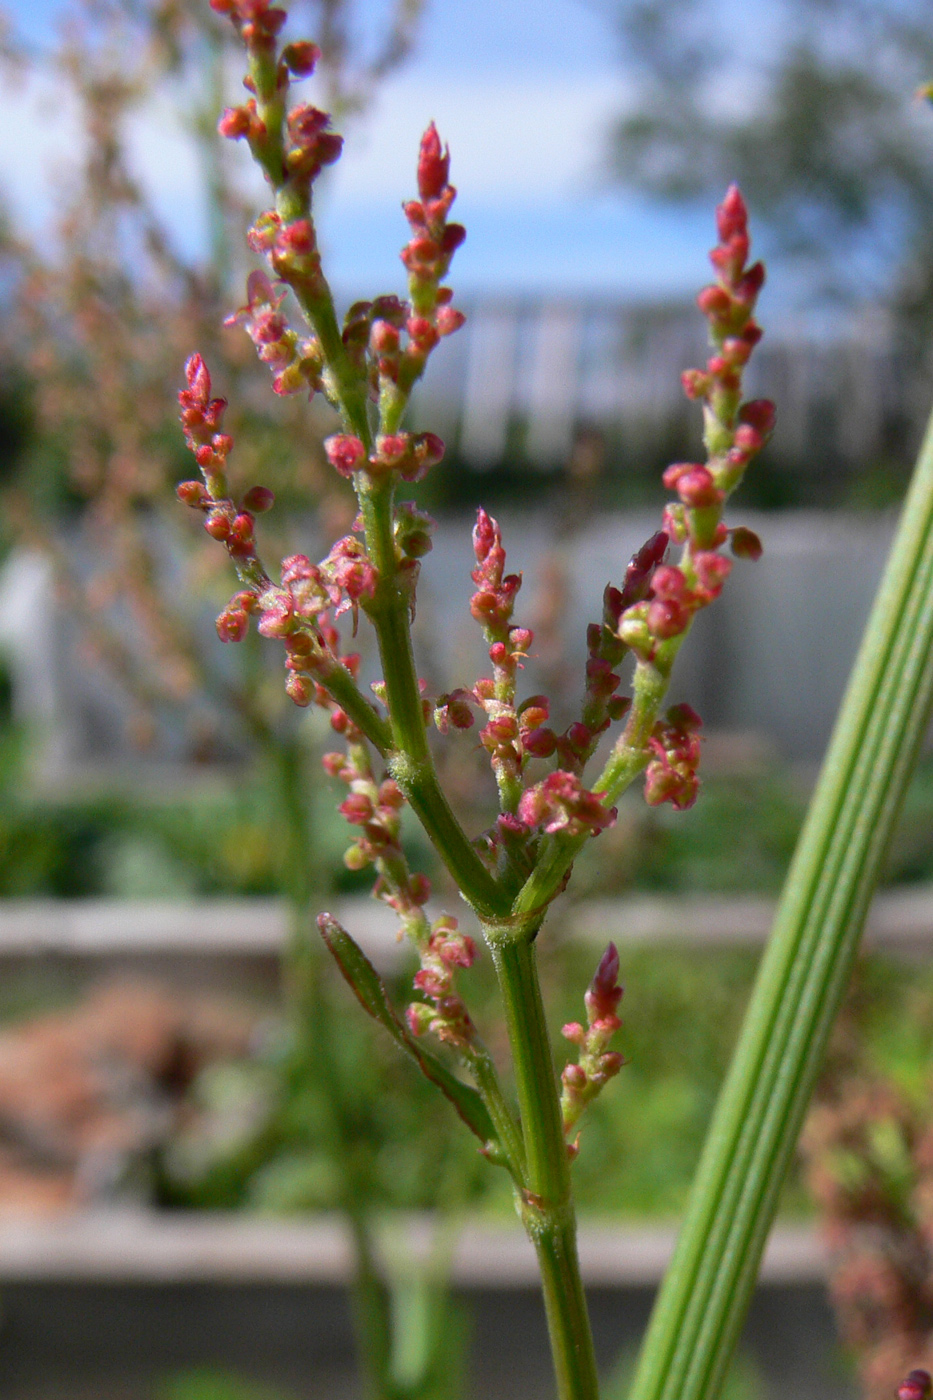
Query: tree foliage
[{"x": 811, "y": 106}]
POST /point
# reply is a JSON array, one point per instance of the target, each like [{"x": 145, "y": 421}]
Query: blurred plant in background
[
  {"x": 102, "y": 309},
  {"x": 810, "y": 107},
  {"x": 868, "y": 1158}
]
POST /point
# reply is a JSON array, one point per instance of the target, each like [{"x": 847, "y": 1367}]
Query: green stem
[
  {"x": 411, "y": 762},
  {"x": 547, "y": 1203},
  {"x": 341, "y": 686},
  {"x": 803, "y": 976},
  {"x": 372, "y": 1311},
  {"x": 315, "y": 1032},
  {"x": 487, "y": 1082}
]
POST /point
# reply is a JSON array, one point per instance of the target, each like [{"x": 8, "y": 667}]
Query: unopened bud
[
  {"x": 917, "y": 1386},
  {"x": 433, "y": 165},
  {"x": 301, "y": 57},
  {"x": 745, "y": 543},
  {"x": 259, "y": 499}
]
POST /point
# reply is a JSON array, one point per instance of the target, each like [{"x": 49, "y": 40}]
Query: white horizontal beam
[
  {"x": 258, "y": 927},
  {"x": 136, "y": 1246}
]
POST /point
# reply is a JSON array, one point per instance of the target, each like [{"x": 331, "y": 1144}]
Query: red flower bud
[
  {"x": 235, "y": 123},
  {"x": 714, "y": 302},
  {"x": 192, "y": 493},
  {"x": 299, "y": 688},
  {"x": 745, "y": 543},
  {"x": 540, "y": 743},
  {"x": 301, "y": 57},
  {"x": 917, "y": 1386},
  {"x": 433, "y": 165},
  {"x": 217, "y": 525},
  {"x": 759, "y": 414},
  {"x": 259, "y": 499}
]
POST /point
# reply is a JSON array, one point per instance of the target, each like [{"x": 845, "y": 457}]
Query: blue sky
[{"x": 523, "y": 90}]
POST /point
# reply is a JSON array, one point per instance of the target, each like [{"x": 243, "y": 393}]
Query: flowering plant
[{"x": 548, "y": 806}]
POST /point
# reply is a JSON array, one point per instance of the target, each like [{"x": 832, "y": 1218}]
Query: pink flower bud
[
  {"x": 198, "y": 377},
  {"x": 419, "y": 889},
  {"x": 232, "y": 625},
  {"x": 433, "y": 165},
  {"x": 448, "y": 320},
  {"x": 695, "y": 383},
  {"x": 419, "y": 1017},
  {"x": 384, "y": 338},
  {"x": 604, "y": 992},
  {"x": 666, "y": 618},
  {"x": 357, "y": 808},
  {"x": 579, "y": 737},
  {"x": 427, "y": 450},
  {"x": 454, "y": 235},
  {"x": 192, "y": 493},
  {"x": 345, "y": 453},
  {"x": 669, "y": 581},
  {"x": 328, "y": 147},
  {"x": 917, "y": 1386},
  {"x": 299, "y": 689},
  {"x": 393, "y": 448},
  {"x": 695, "y": 486},
  {"x": 241, "y": 531},
  {"x": 714, "y": 302},
  {"x": 732, "y": 215},
  {"x": 712, "y": 570},
  {"x": 751, "y": 283}
]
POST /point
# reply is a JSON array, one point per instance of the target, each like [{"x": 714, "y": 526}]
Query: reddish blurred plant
[
  {"x": 104, "y": 305},
  {"x": 367, "y": 368},
  {"x": 868, "y": 1151}
]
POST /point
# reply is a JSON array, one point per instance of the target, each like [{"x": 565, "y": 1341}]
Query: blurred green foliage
[
  {"x": 216, "y": 837},
  {"x": 259, "y": 1133},
  {"x": 204, "y": 1384}
]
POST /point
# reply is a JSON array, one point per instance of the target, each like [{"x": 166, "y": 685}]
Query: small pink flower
[{"x": 345, "y": 453}]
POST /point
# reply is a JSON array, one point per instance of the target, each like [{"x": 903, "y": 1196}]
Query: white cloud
[
  {"x": 535, "y": 141},
  {"x": 530, "y": 139}
]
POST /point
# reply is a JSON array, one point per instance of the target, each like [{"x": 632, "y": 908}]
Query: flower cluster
[
  {"x": 597, "y": 1064},
  {"x": 375, "y": 807},
  {"x": 296, "y": 364},
  {"x": 735, "y": 433},
  {"x": 562, "y": 803},
  {"x": 202, "y": 421},
  {"x": 291, "y": 148},
  {"x": 868, "y": 1152},
  {"x": 427, "y": 258},
  {"x": 367, "y": 365},
  {"x": 299, "y": 610},
  {"x": 446, "y": 1017},
  {"x": 671, "y": 775},
  {"x": 410, "y": 455},
  {"x": 492, "y": 605}
]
